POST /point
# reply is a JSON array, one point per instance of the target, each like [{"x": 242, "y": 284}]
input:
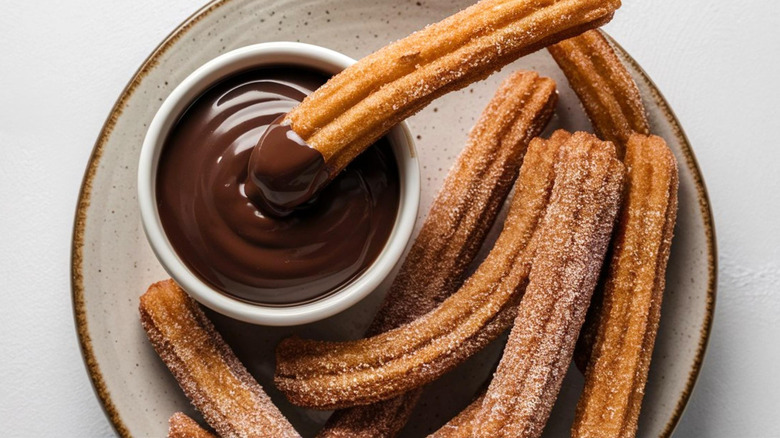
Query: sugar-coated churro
[
  {"x": 213, "y": 378},
  {"x": 363, "y": 102},
  {"x": 182, "y": 426},
  {"x": 605, "y": 88},
  {"x": 633, "y": 291},
  {"x": 339, "y": 374},
  {"x": 573, "y": 239}
]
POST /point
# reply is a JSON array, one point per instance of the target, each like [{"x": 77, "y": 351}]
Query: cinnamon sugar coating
[
  {"x": 182, "y": 426},
  {"x": 605, "y": 88},
  {"x": 338, "y": 374},
  {"x": 573, "y": 239},
  {"x": 212, "y": 377},
  {"x": 360, "y": 104},
  {"x": 633, "y": 291},
  {"x": 460, "y": 217}
]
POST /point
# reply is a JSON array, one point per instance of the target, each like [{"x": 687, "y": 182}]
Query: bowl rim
[{"x": 200, "y": 80}]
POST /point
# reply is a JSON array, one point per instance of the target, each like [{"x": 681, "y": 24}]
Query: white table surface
[{"x": 62, "y": 65}]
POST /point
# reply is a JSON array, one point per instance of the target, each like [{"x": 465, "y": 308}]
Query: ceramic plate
[{"x": 112, "y": 263}]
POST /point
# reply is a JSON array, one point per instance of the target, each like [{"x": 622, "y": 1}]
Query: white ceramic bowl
[{"x": 260, "y": 55}]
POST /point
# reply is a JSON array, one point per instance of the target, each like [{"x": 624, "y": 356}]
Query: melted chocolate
[
  {"x": 220, "y": 234},
  {"x": 284, "y": 172}
]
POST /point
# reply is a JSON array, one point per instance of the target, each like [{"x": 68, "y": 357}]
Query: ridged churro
[
  {"x": 459, "y": 219},
  {"x": 339, "y": 374},
  {"x": 215, "y": 381},
  {"x": 182, "y": 426},
  {"x": 633, "y": 291},
  {"x": 605, "y": 88},
  {"x": 363, "y": 102},
  {"x": 573, "y": 239}
]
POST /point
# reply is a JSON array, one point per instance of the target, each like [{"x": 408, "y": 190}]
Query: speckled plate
[{"x": 112, "y": 263}]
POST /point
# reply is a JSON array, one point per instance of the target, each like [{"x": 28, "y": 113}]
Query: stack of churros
[
  {"x": 577, "y": 197},
  {"x": 621, "y": 332},
  {"x": 434, "y": 268},
  {"x": 574, "y": 237},
  {"x": 631, "y": 308},
  {"x": 328, "y": 375}
]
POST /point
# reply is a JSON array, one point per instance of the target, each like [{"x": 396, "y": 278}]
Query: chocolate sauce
[
  {"x": 284, "y": 172},
  {"x": 221, "y": 235}
]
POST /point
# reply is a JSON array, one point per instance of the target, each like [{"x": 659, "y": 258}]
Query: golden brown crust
[
  {"x": 630, "y": 313},
  {"x": 574, "y": 237},
  {"x": 328, "y": 374},
  {"x": 363, "y": 102},
  {"x": 462, "y": 214},
  {"x": 605, "y": 88},
  {"x": 182, "y": 426},
  {"x": 217, "y": 384}
]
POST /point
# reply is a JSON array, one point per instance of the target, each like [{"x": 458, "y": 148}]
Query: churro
[
  {"x": 182, "y": 426},
  {"x": 215, "y": 381},
  {"x": 573, "y": 239},
  {"x": 633, "y": 291},
  {"x": 459, "y": 219},
  {"x": 605, "y": 88},
  {"x": 338, "y": 374},
  {"x": 362, "y": 103}
]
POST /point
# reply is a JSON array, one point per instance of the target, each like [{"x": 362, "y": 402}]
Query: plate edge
[
  {"x": 705, "y": 207},
  {"x": 77, "y": 243},
  {"x": 80, "y": 216}
]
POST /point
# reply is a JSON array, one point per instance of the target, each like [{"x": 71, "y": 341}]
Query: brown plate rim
[
  {"x": 709, "y": 225},
  {"x": 85, "y": 192}
]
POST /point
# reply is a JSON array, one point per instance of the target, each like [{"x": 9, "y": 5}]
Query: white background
[{"x": 62, "y": 65}]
